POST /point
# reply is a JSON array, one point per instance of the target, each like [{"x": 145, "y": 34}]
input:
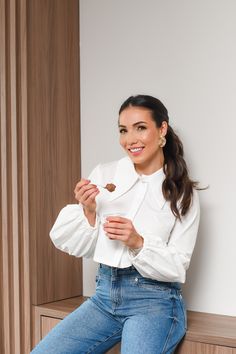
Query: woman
[{"x": 142, "y": 234}]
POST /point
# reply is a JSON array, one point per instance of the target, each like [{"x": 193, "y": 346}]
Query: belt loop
[{"x": 114, "y": 271}]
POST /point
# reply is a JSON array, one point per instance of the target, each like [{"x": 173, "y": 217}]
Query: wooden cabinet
[
  {"x": 207, "y": 333},
  {"x": 53, "y": 141},
  {"x": 47, "y": 323},
  {"x": 188, "y": 347}
]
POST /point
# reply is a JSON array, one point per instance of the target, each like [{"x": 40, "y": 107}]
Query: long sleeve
[
  {"x": 72, "y": 232},
  {"x": 169, "y": 261}
]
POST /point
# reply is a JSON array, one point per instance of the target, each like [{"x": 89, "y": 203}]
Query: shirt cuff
[
  {"x": 135, "y": 251},
  {"x": 97, "y": 220}
]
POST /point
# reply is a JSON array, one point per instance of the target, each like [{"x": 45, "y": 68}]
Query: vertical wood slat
[
  {"x": 23, "y": 113},
  {"x": 14, "y": 178},
  {"x": 14, "y": 251},
  {"x": 5, "y": 299}
]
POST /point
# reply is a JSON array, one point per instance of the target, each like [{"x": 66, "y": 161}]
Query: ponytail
[{"x": 177, "y": 186}]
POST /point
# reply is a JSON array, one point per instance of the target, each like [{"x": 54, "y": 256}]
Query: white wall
[{"x": 184, "y": 53}]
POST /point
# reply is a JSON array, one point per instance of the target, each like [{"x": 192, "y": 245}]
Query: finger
[
  {"x": 115, "y": 237},
  {"x": 85, "y": 188},
  {"x": 87, "y": 196},
  {"x": 89, "y": 200},
  {"x": 81, "y": 183},
  {"x": 114, "y": 231},
  {"x": 87, "y": 193},
  {"x": 118, "y": 219},
  {"x": 115, "y": 225}
]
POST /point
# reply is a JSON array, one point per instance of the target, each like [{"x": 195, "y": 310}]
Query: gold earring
[{"x": 162, "y": 141}]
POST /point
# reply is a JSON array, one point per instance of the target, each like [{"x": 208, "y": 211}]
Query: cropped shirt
[{"x": 168, "y": 242}]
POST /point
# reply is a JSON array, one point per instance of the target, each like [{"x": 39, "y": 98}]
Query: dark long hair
[{"x": 177, "y": 185}]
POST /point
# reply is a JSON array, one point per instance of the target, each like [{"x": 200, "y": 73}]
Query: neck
[{"x": 150, "y": 167}]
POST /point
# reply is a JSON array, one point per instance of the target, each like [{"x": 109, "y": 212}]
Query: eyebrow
[{"x": 141, "y": 122}]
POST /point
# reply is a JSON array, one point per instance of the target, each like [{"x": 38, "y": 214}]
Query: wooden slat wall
[
  {"x": 14, "y": 252},
  {"x": 40, "y": 158}
]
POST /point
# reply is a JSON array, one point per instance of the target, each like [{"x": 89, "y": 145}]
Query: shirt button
[{"x": 136, "y": 280}]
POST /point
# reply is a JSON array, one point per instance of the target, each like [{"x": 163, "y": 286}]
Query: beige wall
[{"x": 183, "y": 52}]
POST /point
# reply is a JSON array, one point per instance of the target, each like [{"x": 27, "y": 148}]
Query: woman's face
[{"x": 140, "y": 138}]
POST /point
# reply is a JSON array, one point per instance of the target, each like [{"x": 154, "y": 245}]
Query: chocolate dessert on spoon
[{"x": 109, "y": 186}]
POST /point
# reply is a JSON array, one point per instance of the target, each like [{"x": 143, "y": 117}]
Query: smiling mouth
[{"x": 136, "y": 151}]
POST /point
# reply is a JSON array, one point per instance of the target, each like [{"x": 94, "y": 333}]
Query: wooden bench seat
[{"x": 206, "y": 334}]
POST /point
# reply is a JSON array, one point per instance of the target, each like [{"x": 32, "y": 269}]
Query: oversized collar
[{"x": 126, "y": 176}]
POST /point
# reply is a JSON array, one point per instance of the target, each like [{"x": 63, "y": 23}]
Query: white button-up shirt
[{"x": 168, "y": 241}]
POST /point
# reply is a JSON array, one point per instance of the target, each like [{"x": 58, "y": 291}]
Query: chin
[{"x": 137, "y": 161}]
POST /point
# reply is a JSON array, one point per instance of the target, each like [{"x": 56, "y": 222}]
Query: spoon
[{"x": 109, "y": 186}]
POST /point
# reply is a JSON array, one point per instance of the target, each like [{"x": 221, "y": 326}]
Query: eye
[
  {"x": 123, "y": 131},
  {"x": 141, "y": 127}
]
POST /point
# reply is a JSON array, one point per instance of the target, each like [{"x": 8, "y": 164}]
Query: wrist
[
  {"x": 139, "y": 243},
  {"x": 138, "y": 247},
  {"x": 90, "y": 215},
  {"x": 89, "y": 212}
]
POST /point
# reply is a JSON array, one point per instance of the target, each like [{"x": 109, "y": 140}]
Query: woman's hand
[
  {"x": 85, "y": 194},
  {"x": 122, "y": 229}
]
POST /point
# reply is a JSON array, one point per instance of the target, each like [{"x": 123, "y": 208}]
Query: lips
[{"x": 136, "y": 151}]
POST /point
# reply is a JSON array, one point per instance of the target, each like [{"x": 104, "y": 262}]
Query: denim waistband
[
  {"x": 105, "y": 269},
  {"x": 132, "y": 271}
]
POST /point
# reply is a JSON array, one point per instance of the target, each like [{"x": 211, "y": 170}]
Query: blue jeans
[{"x": 146, "y": 315}]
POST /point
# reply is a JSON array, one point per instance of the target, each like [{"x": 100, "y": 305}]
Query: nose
[{"x": 131, "y": 138}]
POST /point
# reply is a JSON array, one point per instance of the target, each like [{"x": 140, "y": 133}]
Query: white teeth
[{"x": 136, "y": 149}]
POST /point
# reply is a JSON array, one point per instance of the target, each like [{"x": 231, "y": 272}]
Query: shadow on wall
[{"x": 200, "y": 257}]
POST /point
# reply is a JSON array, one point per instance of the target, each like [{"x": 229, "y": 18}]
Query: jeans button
[{"x": 136, "y": 280}]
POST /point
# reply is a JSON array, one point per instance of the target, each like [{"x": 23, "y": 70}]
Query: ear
[{"x": 163, "y": 128}]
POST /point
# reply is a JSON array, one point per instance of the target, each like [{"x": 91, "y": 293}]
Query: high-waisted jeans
[{"x": 147, "y": 316}]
